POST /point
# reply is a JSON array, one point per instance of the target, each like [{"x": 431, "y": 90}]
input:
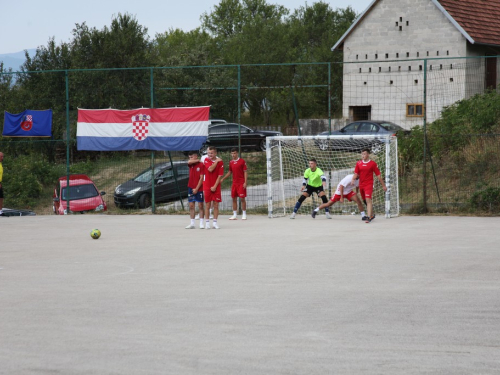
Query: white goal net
[{"x": 288, "y": 156}]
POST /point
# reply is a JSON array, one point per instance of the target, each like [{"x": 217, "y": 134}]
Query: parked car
[
  {"x": 365, "y": 127},
  {"x": 83, "y": 195},
  {"x": 137, "y": 192},
  {"x": 224, "y": 136}
]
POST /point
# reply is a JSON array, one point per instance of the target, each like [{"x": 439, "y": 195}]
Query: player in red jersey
[
  {"x": 238, "y": 168},
  {"x": 195, "y": 191},
  {"x": 365, "y": 168},
  {"x": 214, "y": 170}
]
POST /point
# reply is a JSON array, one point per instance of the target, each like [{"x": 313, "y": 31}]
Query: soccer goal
[{"x": 288, "y": 156}]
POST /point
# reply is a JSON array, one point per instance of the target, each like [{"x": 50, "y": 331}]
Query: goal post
[{"x": 336, "y": 155}]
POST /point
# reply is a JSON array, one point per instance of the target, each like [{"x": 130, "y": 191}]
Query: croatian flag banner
[
  {"x": 28, "y": 124},
  {"x": 160, "y": 129}
]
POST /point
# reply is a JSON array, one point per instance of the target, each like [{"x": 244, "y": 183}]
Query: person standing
[
  {"x": 345, "y": 189},
  {"x": 364, "y": 170},
  {"x": 314, "y": 182},
  {"x": 1, "y": 186},
  {"x": 214, "y": 170},
  {"x": 238, "y": 168},
  {"x": 195, "y": 191}
]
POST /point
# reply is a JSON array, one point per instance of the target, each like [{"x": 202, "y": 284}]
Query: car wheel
[
  {"x": 144, "y": 201},
  {"x": 262, "y": 145},
  {"x": 323, "y": 145},
  {"x": 376, "y": 148}
]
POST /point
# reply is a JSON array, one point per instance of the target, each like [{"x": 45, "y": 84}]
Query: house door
[
  {"x": 359, "y": 113},
  {"x": 491, "y": 73}
]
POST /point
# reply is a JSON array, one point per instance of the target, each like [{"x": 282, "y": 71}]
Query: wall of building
[{"x": 384, "y": 67}]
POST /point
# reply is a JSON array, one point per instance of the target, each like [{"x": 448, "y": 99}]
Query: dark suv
[{"x": 225, "y": 136}]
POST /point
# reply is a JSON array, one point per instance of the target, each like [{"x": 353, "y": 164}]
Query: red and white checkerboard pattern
[{"x": 140, "y": 130}]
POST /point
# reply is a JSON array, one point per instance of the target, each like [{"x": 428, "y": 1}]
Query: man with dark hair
[
  {"x": 214, "y": 170},
  {"x": 314, "y": 182},
  {"x": 195, "y": 191},
  {"x": 1, "y": 186},
  {"x": 238, "y": 168},
  {"x": 365, "y": 168}
]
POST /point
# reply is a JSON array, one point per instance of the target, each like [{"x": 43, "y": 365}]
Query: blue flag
[{"x": 28, "y": 124}]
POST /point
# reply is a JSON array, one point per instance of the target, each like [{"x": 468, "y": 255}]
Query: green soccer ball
[{"x": 95, "y": 234}]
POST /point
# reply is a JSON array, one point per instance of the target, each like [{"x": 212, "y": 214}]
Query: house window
[
  {"x": 366, "y": 57},
  {"x": 407, "y": 54},
  {"x": 379, "y": 69},
  {"x": 400, "y": 19},
  {"x": 447, "y": 53},
  {"x": 356, "y": 57},
  {"x": 407, "y": 23},
  {"x": 427, "y": 53},
  {"x": 389, "y": 69},
  {"x": 437, "y": 53},
  {"x": 369, "y": 70},
  {"x": 399, "y": 68},
  {"x": 418, "y": 54},
  {"x": 392, "y": 82},
  {"x": 386, "y": 55},
  {"x": 397, "y": 24},
  {"x": 376, "y": 55},
  {"x": 451, "y": 79},
  {"x": 397, "y": 55},
  {"x": 409, "y": 68},
  {"x": 420, "y": 67},
  {"x": 414, "y": 110},
  {"x": 400, "y": 28},
  {"x": 360, "y": 70}
]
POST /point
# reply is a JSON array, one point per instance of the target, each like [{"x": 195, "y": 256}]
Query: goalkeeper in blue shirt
[{"x": 314, "y": 182}]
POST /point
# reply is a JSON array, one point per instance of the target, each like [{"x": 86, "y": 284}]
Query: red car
[{"x": 83, "y": 195}]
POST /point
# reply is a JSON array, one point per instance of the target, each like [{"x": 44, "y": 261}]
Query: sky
[{"x": 32, "y": 22}]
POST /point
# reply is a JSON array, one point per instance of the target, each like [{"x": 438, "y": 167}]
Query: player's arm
[
  {"x": 226, "y": 176},
  {"x": 193, "y": 161},
  {"x": 382, "y": 182},
  {"x": 214, "y": 164},
  {"x": 323, "y": 181},
  {"x": 199, "y": 184},
  {"x": 304, "y": 181},
  {"x": 217, "y": 182},
  {"x": 355, "y": 176},
  {"x": 341, "y": 189},
  {"x": 246, "y": 176}
]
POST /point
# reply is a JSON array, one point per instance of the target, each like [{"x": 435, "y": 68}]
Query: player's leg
[
  {"x": 191, "y": 208},
  {"x": 329, "y": 203},
  {"x": 324, "y": 199},
  {"x": 235, "y": 208},
  {"x": 216, "y": 214},
  {"x": 208, "y": 206},
  {"x": 244, "y": 208},
  {"x": 201, "y": 210},
  {"x": 301, "y": 199}
]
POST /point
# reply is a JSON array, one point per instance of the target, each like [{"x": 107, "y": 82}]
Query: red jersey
[
  {"x": 195, "y": 171},
  {"x": 238, "y": 168},
  {"x": 211, "y": 177},
  {"x": 365, "y": 172}
]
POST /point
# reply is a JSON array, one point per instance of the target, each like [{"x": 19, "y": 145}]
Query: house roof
[{"x": 477, "y": 20}]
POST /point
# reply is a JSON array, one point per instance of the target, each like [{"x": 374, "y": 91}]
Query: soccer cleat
[
  {"x": 233, "y": 217},
  {"x": 372, "y": 217},
  {"x": 216, "y": 226},
  {"x": 313, "y": 214},
  {"x": 292, "y": 216},
  {"x": 364, "y": 218},
  {"x": 368, "y": 220},
  {"x": 207, "y": 226},
  {"x": 328, "y": 215},
  {"x": 190, "y": 226},
  {"x": 244, "y": 217}
]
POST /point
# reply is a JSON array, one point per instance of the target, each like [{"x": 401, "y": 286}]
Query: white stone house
[{"x": 394, "y": 44}]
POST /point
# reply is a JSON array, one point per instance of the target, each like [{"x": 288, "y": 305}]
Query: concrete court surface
[{"x": 408, "y": 295}]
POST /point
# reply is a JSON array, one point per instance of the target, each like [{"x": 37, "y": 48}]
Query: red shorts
[
  {"x": 238, "y": 191},
  {"x": 336, "y": 197},
  {"x": 366, "y": 191},
  {"x": 210, "y": 196}
]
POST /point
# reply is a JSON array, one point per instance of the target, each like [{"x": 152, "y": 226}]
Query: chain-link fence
[{"x": 268, "y": 97}]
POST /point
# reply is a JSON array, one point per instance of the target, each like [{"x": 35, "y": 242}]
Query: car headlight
[
  {"x": 118, "y": 190},
  {"x": 100, "y": 207},
  {"x": 131, "y": 192}
]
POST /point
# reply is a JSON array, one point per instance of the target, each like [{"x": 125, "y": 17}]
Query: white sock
[
  {"x": 215, "y": 220},
  {"x": 363, "y": 213},
  {"x": 235, "y": 213},
  {"x": 192, "y": 220},
  {"x": 207, "y": 221},
  {"x": 244, "y": 212},
  {"x": 316, "y": 209}
]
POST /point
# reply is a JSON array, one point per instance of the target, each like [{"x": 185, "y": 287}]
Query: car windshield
[
  {"x": 80, "y": 192},
  {"x": 390, "y": 126},
  {"x": 146, "y": 175}
]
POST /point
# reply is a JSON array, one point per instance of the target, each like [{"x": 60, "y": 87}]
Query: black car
[
  {"x": 365, "y": 127},
  {"x": 137, "y": 192},
  {"x": 224, "y": 136}
]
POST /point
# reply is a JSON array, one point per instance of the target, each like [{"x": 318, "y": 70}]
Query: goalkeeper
[
  {"x": 345, "y": 189},
  {"x": 314, "y": 182}
]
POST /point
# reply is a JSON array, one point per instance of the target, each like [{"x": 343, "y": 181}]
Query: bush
[{"x": 486, "y": 200}]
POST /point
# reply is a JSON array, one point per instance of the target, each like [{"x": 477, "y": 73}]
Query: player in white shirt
[{"x": 345, "y": 189}]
